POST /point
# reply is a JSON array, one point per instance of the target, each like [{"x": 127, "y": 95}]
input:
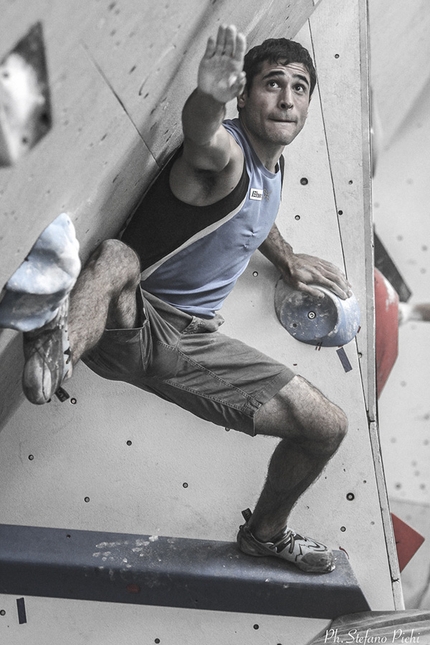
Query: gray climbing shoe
[
  {"x": 47, "y": 358},
  {"x": 307, "y": 554}
]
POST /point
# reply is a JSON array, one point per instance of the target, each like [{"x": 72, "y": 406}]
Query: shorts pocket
[{"x": 122, "y": 353}]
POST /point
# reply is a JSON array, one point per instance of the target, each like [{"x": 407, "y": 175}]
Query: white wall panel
[{"x": 74, "y": 622}]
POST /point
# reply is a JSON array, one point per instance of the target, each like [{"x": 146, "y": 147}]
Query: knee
[
  {"x": 117, "y": 250},
  {"x": 120, "y": 257},
  {"x": 335, "y": 430},
  {"x": 341, "y": 426}
]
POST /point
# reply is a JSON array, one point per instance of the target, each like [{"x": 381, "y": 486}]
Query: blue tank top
[{"x": 197, "y": 276}]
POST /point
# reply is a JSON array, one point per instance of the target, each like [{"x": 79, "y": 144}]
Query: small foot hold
[
  {"x": 35, "y": 291},
  {"x": 62, "y": 395}
]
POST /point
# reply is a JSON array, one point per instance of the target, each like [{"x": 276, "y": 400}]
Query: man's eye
[
  {"x": 273, "y": 84},
  {"x": 300, "y": 88}
]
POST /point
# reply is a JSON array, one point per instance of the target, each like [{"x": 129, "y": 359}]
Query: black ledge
[{"x": 168, "y": 572}]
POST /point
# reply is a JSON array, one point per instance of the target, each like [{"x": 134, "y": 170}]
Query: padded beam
[{"x": 169, "y": 572}]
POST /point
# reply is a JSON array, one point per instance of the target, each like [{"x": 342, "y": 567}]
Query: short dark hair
[{"x": 277, "y": 50}]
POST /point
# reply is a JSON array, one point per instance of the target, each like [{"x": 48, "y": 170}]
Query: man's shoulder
[{"x": 234, "y": 128}]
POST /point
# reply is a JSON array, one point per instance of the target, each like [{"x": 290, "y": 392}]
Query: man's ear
[{"x": 241, "y": 99}]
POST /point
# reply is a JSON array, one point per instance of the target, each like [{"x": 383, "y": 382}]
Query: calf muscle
[{"x": 311, "y": 429}]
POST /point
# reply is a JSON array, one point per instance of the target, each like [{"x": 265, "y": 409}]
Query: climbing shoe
[
  {"x": 307, "y": 554},
  {"x": 47, "y": 358}
]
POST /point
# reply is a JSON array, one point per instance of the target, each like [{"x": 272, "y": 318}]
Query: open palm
[{"x": 221, "y": 72}]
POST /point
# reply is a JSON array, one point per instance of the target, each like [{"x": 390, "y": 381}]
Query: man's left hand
[{"x": 304, "y": 270}]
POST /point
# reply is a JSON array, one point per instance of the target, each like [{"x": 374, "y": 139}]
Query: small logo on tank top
[{"x": 256, "y": 193}]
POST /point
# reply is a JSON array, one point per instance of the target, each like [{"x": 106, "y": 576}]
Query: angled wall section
[{"x": 119, "y": 73}]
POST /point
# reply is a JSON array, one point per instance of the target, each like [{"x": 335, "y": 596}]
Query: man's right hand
[
  {"x": 208, "y": 146},
  {"x": 221, "y": 74}
]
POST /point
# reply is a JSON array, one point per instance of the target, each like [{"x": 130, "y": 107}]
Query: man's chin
[
  {"x": 284, "y": 141},
  {"x": 284, "y": 138}
]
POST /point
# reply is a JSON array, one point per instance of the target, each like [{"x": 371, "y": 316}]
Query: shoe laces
[{"x": 287, "y": 539}]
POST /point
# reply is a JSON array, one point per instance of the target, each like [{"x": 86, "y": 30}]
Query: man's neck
[{"x": 268, "y": 154}]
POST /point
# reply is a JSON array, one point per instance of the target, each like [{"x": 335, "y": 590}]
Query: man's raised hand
[{"x": 221, "y": 72}]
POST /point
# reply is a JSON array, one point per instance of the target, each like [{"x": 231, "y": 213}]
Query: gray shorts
[{"x": 185, "y": 360}]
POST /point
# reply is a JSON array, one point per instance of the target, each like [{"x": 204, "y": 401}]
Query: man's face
[{"x": 275, "y": 109}]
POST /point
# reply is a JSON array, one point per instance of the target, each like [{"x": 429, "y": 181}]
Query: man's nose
[{"x": 286, "y": 99}]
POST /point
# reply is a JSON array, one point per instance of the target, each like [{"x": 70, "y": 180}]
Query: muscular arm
[
  {"x": 220, "y": 80},
  {"x": 301, "y": 270},
  {"x": 208, "y": 147}
]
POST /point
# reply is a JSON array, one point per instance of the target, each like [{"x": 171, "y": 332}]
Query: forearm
[
  {"x": 277, "y": 250},
  {"x": 220, "y": 79},
  {"x": 202, "y": 117},
  {"x": 302, "y": 271}
]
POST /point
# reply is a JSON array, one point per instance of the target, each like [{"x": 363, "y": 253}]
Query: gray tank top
[{"x": 198, "y": 275}]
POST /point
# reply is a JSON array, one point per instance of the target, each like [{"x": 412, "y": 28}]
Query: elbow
[{"x": 205, "y": 156}]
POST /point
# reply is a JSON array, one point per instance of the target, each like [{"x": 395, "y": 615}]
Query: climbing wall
[
  {"x": 119, "y": 73},
  {"x": 112, "y": 458}
]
